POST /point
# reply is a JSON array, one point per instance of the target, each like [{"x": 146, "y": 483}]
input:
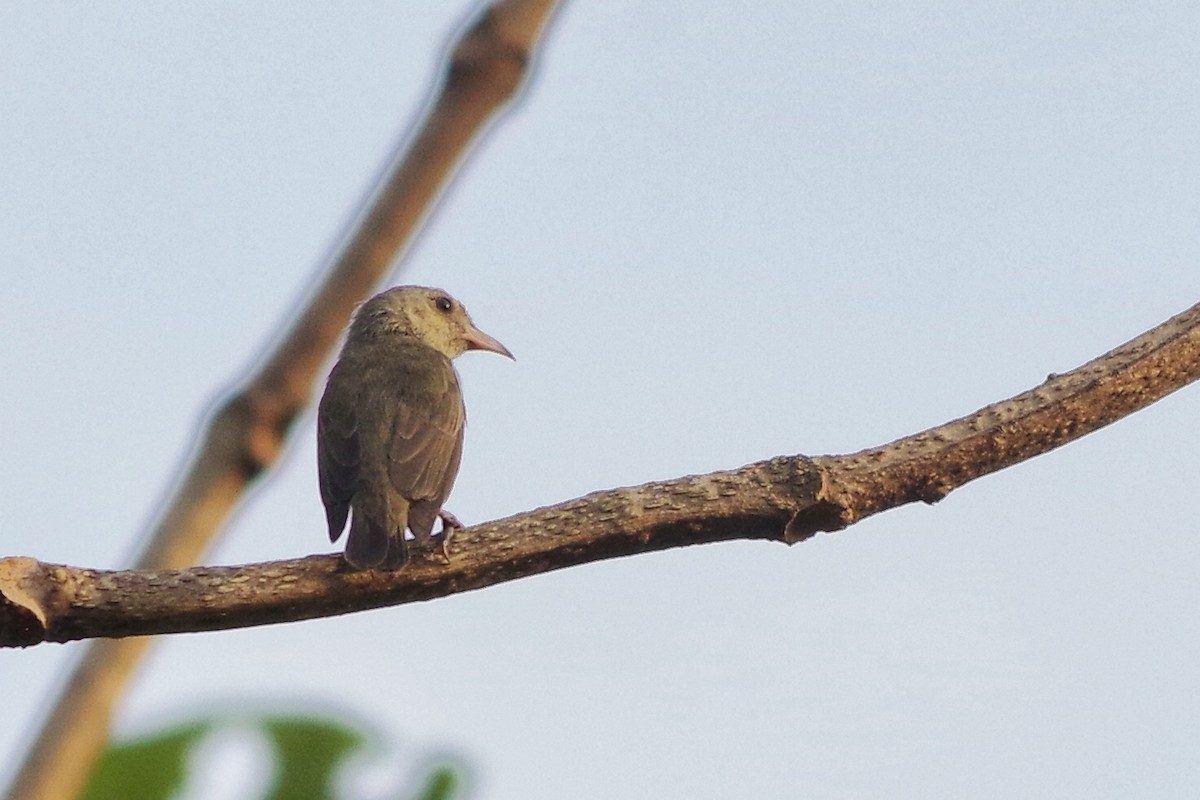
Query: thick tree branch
[
  {"x": 753, "y": 502},
  {"x": 247, "y": 433},
  {"x": 784, "y": 499},
  {"x": 928, "y": 465}
]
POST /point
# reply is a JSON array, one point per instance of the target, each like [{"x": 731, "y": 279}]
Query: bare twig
[
  {"x": 783, "y": 499},
  {"x": 247, "y": 433}
]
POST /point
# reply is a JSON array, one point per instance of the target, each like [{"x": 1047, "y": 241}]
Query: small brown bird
[{"x": 390, "y": 424}]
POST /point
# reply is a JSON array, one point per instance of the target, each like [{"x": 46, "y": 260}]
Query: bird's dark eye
[{"x": 443, "y": 304}]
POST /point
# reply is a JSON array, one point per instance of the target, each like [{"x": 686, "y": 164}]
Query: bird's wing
[
  {"x": 337, "y": 450},
  {"x": 427, "y": 434},
  {"x": 426, "y": 444}
]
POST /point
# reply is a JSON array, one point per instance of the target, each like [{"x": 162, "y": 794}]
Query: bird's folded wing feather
[
  {"x": 426, "y": 442},
  {"x": 337, "y": 451}
]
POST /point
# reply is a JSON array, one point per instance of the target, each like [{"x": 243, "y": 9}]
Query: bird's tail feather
[{"x": 374, "y": 545}]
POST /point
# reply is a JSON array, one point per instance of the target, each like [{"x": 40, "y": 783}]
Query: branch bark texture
[
  {"x": 247, "y": 433},
  {"x": 788, "y": 499}
]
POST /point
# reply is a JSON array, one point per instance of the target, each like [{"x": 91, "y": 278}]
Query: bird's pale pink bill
[{"x": 478, "y": 340}]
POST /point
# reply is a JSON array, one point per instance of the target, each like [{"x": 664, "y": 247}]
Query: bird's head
[{"x": 429, "y": 315}]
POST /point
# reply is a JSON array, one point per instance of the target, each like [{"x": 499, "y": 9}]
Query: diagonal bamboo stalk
[
  {"x": 783, "y": 499},
  {"x": 248, "y": 431}
]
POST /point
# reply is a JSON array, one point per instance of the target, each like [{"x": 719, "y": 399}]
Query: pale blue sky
[{"x": 710, "y": 237}]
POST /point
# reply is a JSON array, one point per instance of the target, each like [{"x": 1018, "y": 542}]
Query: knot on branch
[
  {"x": 22, "y": 616},
  {"x": 486, "y": 56},
  {"x": 251, "y": 427}
]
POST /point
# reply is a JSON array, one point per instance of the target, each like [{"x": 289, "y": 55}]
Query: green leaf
[
  {"x": 148, "y": 768},
  {"x": 308, "y": 752},
  {"x": 441, "y": 785}
]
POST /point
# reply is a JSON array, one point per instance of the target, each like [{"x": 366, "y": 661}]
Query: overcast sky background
[{"x": 710, "y": 237}]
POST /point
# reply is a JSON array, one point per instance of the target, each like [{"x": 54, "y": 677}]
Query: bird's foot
[{"x": 450, "y": 523}]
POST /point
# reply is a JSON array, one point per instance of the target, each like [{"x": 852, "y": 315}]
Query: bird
[{"x": 390, "y": 423}]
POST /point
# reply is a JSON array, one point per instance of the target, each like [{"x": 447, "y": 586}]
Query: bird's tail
[{"x": 374, "y": 544}]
